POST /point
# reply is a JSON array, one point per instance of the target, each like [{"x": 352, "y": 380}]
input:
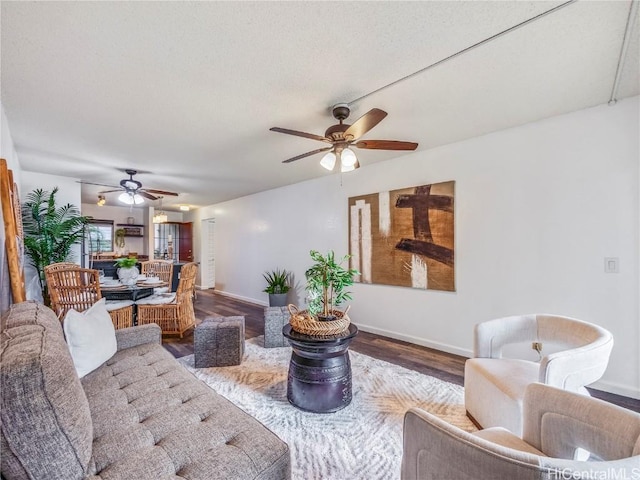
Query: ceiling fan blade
[
  {"x": 111, "y": 191},
  {"x": 308, "y": 154},
  {"x": 147, "y": 195},
  {"x": 159, "y": 192},
  {"x": 300, "y": 134},
  {"x": 98, "y": 184},
  {"x": 385, "y": 145},
  {"x": 365, "y": 123}
]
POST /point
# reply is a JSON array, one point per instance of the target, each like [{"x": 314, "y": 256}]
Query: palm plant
[
  {"x": 50, "y": 231},
  {"x": 326, "y": 283}
]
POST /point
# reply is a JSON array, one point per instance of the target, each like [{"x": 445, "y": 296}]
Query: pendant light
[{"x": 161, "y": 216}]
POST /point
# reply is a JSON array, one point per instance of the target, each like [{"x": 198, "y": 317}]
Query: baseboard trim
[
  {"x": 244, "y": 299},
  {"x": 605, "y": 386},
  {"x": 443, "y": 347}
]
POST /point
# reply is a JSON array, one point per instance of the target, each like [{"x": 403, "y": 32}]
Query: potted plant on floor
[
  {"x": 127, "y": 270},
  {"x": 277, "y": 287},
  {"x": 50, "y": 231},
  {"x": 327, "y": 281}
]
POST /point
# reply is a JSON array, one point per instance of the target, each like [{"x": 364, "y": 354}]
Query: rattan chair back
[
  {"x": 187, "y": 281},
  {"x": 162, "y": 269},
  {"x": 71, "y": 287},
  {"x": 60, "y": 266},
  {"x": 178, "y": 316}
]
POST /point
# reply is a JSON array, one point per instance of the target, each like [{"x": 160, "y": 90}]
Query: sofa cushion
[
  {"x": 46, "y": 423},
  {"x": 494, "y": 389},
  {"x": 91, "y": 337},
  {"x": 153, "y": 420}
]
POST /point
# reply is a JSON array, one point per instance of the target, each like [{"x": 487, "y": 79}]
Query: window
[
  {"x": 166, "y": 241},
  {"x": 100, "y": 236}
]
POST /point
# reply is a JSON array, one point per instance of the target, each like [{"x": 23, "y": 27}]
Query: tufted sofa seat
[{"x": 140, "y": 415}]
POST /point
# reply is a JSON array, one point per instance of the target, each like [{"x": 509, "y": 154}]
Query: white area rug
[{"x": 361, "y": 441}]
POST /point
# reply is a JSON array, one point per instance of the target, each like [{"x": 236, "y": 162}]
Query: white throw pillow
[{"x": 91, "y": 337}]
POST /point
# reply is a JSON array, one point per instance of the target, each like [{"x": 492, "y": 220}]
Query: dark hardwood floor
[{"x": 444, "y": 366}]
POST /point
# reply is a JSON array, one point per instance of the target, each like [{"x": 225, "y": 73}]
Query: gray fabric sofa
[{"x": 141, "y": 415}]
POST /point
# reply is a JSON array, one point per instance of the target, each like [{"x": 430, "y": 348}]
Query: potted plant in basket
[
  {"x": 327, "y": 281},
  {"x": 127, "y": 270},
  {"x": 277, "y": 287}
]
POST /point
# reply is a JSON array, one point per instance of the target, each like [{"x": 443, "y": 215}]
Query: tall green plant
[
  {"x": 326, "y": 283},
  {"x": 50, "y": 231}
]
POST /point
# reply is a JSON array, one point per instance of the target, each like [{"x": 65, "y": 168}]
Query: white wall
[
  {"x": 120, "y": 215},
  {"x": 7, "y": 148},
  {"x": 8, "y": 152},
  {"x": 538, "y": 208},
  {"x": 68, "y": 188}
]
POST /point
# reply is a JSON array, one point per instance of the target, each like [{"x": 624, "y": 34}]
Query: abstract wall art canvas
[{"x": 404, "y": 237}]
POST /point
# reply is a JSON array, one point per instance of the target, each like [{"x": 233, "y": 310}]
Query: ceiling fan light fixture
[
  {"x": 347, "y": 168},
  {"x": 126, "y": 197},
  {"x": 101, "y": 200},
  {"x": 131, "y": 198},
  {"x": 348, "y": 158},
  {"x": 328, "y": 161}
]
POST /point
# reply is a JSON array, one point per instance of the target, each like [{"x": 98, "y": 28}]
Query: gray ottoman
[
  {"x": 219, "y": 342},
  {"x": 274, "y": 319}
]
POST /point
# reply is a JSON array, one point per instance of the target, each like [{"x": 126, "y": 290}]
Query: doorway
[
  {"x": 208, "y": 263},
  {"x": 173, "y": 241}
]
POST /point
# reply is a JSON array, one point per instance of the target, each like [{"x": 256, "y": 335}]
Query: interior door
[
  {"x": 185, "y": 252},
  {"x": 208, "y": 253}
]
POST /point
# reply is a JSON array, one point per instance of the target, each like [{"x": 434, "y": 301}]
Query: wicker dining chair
[
  {"x": 163, "y": 269},
  {"x": 60, "y": 266},
  {"x": 73, "y": 287},
  {"x": 175, "y": 315}
]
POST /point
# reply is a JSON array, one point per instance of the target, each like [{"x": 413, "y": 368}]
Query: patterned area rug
[{"x": 361, "y": 441}]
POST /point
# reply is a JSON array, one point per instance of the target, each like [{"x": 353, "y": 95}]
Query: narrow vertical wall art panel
[{"x": 404, "y": 237}]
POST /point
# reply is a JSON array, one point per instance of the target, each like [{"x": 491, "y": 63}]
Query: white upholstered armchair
[
  {"x": 556, "y": 424},
  {"x": 574, "y": 354}
]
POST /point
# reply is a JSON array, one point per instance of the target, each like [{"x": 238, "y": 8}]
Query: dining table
[{"x": 119, "y": 291}]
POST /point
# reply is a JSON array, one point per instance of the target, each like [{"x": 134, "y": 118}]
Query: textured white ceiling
[{"x": 187, "y": 91}]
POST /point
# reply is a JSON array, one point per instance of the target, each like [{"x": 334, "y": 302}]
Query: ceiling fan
[
  {"x": 342, "y": 136},
  {"x": 132, "y": 191}
]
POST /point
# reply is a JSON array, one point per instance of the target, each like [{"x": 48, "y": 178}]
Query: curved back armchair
[
  {"x": 495, "y": 386},
  {"x": 175, "y": 314},
  {"x": 73, "y": 287},
  {"x": 557, "y": 423}
]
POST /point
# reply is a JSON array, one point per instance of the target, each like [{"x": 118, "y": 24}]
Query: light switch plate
[{"x": 611, "y": 265}]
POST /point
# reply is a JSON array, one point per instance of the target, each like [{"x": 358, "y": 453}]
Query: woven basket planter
[{"x": 302, "y": 322}]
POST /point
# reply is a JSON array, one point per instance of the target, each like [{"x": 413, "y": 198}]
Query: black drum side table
[{"x": 319, "y": 378}]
